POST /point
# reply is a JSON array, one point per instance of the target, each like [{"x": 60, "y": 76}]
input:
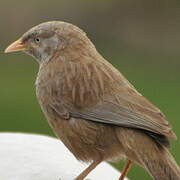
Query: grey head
[{"x": 45, "y": 40}]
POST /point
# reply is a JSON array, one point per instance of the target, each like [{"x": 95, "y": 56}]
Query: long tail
[
  {"x": 163, "y": 167},
  {"x": 143, "y": 150}
]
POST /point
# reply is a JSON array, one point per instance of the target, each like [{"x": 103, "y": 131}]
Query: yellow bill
[{"x": 16, "y": 46}]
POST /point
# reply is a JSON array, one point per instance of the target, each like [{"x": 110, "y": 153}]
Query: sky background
[{"x": 140, "y": 38}]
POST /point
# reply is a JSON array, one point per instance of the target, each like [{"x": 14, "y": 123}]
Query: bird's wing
[
  {"x": 132, "y": 116},
  {"x": 122, "y": 105},
  {"x": 121, "y": 116}
]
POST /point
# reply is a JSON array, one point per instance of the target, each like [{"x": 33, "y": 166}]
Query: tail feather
[
  {"x": 164, "y": 167},
  {"x": 150, "y": 153}
]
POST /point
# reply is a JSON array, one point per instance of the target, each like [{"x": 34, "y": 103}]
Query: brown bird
[{"x": 93, "y": 109}]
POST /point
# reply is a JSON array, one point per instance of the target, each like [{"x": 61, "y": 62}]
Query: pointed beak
[{"x": 16, "y": 46}]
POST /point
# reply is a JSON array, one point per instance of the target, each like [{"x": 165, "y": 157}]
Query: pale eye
[{"x": 37, "y": 40}]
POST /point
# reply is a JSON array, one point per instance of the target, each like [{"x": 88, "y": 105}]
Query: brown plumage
[{"x": 90, "y": 105}]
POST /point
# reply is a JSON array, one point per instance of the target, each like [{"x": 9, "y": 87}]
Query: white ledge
[{"x": 38, "y": 157}]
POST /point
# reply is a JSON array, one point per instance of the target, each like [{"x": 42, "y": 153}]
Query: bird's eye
[{"x": 37, "y": 40}]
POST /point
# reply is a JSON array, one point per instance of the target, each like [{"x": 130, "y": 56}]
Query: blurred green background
[{"x": 141, "y": 38}]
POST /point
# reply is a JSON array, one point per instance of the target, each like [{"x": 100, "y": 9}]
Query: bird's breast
[{"x": 78, "y": 86}]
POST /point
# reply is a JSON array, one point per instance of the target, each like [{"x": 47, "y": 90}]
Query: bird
[{"x": 92, "y": 108}]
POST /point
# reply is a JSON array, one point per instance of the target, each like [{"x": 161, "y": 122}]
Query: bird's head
[{"x": 45, "y": 40}]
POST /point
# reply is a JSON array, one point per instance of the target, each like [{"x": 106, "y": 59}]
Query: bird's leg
[
  {"x": 125, "y": 170},
  {"x": 88, "y": 169}
]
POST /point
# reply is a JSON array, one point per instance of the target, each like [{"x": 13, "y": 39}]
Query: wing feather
[
  {"x": 121, "y": 116},
  {"x": 115, "y": 101}
]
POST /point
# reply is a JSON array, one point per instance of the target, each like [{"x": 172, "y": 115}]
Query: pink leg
[
  {"x": 125, "y": 170},
  {"x": 88, "y": 169}
]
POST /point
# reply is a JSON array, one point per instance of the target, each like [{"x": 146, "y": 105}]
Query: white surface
[{"x": 38, "y": 157}]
